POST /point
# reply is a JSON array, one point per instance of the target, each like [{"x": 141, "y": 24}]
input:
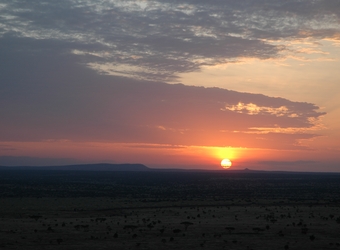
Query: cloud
[
  {"x": 287, "y": 162},
  {"x": 154, "y": 146},
  {"x": 35, "y": 161},
  {"x": 253, "y": 109},
  {"x": 157, "y": 40},
  {"x": 96, "y": 70},
  {"x": 5, "y": 147},
  {"x": 47, "y": 94}
]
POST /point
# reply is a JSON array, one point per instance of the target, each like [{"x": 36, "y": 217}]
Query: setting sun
[{"x": 226, "y": 163}]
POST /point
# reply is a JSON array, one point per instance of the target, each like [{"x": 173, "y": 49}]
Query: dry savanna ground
[{"x": 155, "y": 218}]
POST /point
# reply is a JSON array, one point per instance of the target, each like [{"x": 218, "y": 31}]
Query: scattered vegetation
[{"x": 168, "y": 210}]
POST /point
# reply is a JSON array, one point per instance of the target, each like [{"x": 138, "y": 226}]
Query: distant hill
[{"x": 85, "y": 167}]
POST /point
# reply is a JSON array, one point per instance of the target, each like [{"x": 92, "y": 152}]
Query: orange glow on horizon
[{"x": 159, "y": 155}]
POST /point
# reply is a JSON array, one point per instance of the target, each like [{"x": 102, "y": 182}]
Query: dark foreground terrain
[{"x": 168, "y": 210}]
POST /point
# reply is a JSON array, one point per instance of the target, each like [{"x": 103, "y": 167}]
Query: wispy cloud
[{"x": 5, "y": 147}]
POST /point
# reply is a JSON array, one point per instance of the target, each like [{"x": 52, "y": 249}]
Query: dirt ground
[{"x": 168, "y": 222}]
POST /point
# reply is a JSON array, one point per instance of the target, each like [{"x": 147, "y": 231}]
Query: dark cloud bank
[
  {"x": 47, "y": 94},
  {"x": 50, "y": 90}
]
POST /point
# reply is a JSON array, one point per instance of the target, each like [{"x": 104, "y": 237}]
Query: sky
[{"x": 171, "y": 84}]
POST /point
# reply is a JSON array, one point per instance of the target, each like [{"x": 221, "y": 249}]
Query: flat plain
[{"x": 169, "y": 210}]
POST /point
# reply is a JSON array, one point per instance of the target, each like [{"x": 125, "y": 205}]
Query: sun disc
[{"x": 226, "y": 163}]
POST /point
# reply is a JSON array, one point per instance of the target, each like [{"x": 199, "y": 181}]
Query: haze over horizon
[{"x": 180, "y": 84}]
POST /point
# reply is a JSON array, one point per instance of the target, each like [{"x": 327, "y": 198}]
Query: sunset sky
[{"x": 171, "y": 84}]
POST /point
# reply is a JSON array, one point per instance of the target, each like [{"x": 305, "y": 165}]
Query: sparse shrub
[
  {"x": 257, "y": 229},
  {"x": 100, "y": 219},
  {"x": 338, "y": 220},
  {"x": 186, "y": 224},
  {"x": 230, "y": 229},
  {"x": 130, "y": 227},
  {"x": 280, "y": 233}
]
